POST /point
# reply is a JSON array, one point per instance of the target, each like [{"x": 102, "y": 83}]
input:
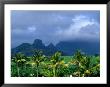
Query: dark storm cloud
[{"x": 54, "y": 26}]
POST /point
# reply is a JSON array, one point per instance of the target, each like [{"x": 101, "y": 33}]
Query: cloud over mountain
[
  {"x": 82, "y": 27},
  {"x": 54, "y": 26}
]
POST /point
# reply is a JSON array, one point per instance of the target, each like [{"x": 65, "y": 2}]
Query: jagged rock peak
[
  {"x": 36, "y": 41},
  {"x": 38, "y": 44},
  {"x": 25, "y": 45},
  {"x": 51, "y": 45}
]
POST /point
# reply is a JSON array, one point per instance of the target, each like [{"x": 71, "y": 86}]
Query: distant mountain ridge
[
  {"x": 69, "y": 47},
  {"x": 27, "y": 48},
  {"x": 66, "y": 47}
]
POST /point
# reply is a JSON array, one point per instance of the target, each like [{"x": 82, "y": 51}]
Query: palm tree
[
  {"x": 20, "y": 60},
  {"x": 86, "y": 65},
  {"x": 83, "y": 64},
  {"x": 38, "y": 57},
  {"x": 57, "y": 61},
  {"x": 77, "y": 61}
]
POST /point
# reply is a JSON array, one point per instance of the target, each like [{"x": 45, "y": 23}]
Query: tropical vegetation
[{"x": 39, "y": 65}]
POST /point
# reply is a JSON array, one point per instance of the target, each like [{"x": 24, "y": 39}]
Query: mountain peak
[
  {"x": 37, "y": 41},
  {"x": 25, "y": 45},
  {"x": 51, "y": 46},
  {"x": 38, "y": 44}
]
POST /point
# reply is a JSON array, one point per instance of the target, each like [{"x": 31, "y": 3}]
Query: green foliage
[{"x": 39, "y": 65}]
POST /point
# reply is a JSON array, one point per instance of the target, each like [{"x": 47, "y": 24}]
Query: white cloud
[
  {"x": 31, "y": 28},
  {"x": 82, "y": 27},
  {"x": 21, "y": 31}
]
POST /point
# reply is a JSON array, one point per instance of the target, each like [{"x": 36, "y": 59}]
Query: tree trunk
[
  {"x": 18, "y": 70},
  {"x": 79, "y": 69},
  {"x": 37, "y": 70},
  {"x": 54, "y": 72}
]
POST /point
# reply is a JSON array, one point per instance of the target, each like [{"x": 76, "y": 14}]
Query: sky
[{"x": 54, "y": 26}]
